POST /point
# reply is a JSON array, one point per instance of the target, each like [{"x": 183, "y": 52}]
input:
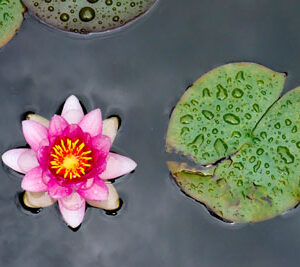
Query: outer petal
[
  {"x": 97, "y": 192},
  {"x": 72, "y": 110},
  {"x": 38, "y": 118},
  {"x": 28, "y": 161},
  {"x": 72, "y": 209},
  {"x": 33, "y": 181},
  {"x": 35, "y": 134},
  {"x": 37, "y": 199},
  {"x": 110, "y": 128},
  {"x": 57, "y": 191},
  {"x": 117, "y": 165},
  {"x": 92, "y": 122},
  {"x": 11, "y": 159},
  {"x": 113, "y": 201},
  {"x": 57, "y": 125}
]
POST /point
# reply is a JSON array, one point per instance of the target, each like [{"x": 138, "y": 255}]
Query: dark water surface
[{"x": 139, "y": 74}]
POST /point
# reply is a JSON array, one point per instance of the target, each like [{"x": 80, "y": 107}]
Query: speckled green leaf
[
  {"x": 11, "y": 17},
  {"x": 85, "y": 16},
  {"x": 217, "y": 114},
  {"x": 262, "y": 180}
]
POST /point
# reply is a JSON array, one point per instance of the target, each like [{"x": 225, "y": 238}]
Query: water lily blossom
[{"x": 69, "y": 161}]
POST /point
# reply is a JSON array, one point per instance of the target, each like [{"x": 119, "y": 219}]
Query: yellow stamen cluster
[{"x": 70, "y": 159}]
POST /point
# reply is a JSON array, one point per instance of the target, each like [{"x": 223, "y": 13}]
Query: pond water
[{"x": 139, "y": 74}]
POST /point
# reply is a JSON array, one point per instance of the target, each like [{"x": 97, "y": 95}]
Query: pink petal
[
  {"x": 11, "y": 159},
  {"x": 72, "y": 110},
  {"x": 117, "y": 165},
  {"x": 57, "y": 125},
  {"x": 113, "y": 201},
  {"x": 33, "y": 181},
  {"x": 101, "y": 143},
  {"x": 72, "y": 209},
  {"x": 28, "y": 161},
  {"x": 57, "y": 191},
  {"x": 73, "y": 116},
  {"x": 97, "y": 192},
  {"x": 35, "y": 134},
  {"x": 74, "y": 131},
  {"x": 43, "y": 156},
  {"x": 92, "y": 122}
]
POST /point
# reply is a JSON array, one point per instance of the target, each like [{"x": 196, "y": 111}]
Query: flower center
[{"x": 70, "y": 159}]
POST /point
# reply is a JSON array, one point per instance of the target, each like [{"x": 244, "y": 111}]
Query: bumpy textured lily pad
[
  {"x": 11, "y": 17},
  {"x": 261, "y": 179},
  {"x": 84, "y": 16},
  {"x": 218, "y": 113}
]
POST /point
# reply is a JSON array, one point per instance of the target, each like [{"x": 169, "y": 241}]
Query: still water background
[{"x": 139, "y": 74}]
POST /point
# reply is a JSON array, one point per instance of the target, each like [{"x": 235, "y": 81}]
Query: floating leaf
[
  {"x": 85, "y": 16},
  {"x": 11, "y": 17},
  {"x": 261, "y": 179},
  {"x": 218, "y": 113}
]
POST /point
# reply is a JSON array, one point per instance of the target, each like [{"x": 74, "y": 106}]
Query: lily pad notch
[{"x": 232, "y": 117}]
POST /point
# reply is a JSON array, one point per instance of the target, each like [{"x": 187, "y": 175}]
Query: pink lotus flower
[{"x": 69, "y": 161}]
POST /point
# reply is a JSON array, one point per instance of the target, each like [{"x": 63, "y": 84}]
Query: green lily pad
[
  {"x": 260, "y": 177},
  {"x": 85, "y": 16},
  {"x": 11, "y": 17},
  {"x": 218, "y": 112}
]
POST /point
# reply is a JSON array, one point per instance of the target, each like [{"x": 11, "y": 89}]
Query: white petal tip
[
  {"x": 72, "y": 209},
  {"x": 5, "y": 158},
  {"x": 71, "y": 103},
  {"x": 72, "y": 110},
  {"x": 117, "y": 166},
  {"x": 134, "y": 165},
  {"x": 72, "y": 220},
  {"x": 72, "y": 97},
  {"x": 10, "y": 158}
]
